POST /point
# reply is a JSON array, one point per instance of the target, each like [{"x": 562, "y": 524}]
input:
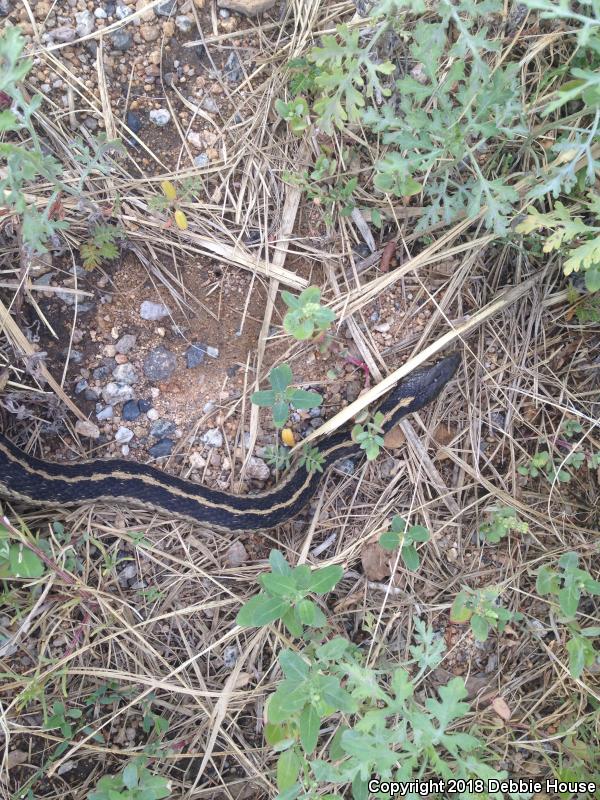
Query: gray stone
[
  {"x": 114, "y": 393},
  {"x": 5, "y": 7},
  {"x": 103, "y": 371},
  {"x": 121, "y": 40},
  {"x": 230, "y": 656},
  {"x": 64, "y": 34},
  {"x": 145, "y": 405},
  {"x": 153, "y": 311},
  {"x": 123, "y": 435},
  {"x": 105, "y": 414},
  {"x": 160, "y": 364},
  {"x": 122, "y": 11},
  {"x": 87, "y": 428},
  {"x": 100, "y": 13},
  {"x": 131, "y": 410},
  {"x": 86, "y": 23},
  {"x": 162, "y": 428},
  {"x": 126, "y": 343},
  {"x": 81, "y": 386},
  {"x": 184, "y": 23},
  {"x": 134, "y": 122},
  {"x": 160, "y": 117},
  {"x": 209, "y": 104},
  {"x": 194, "y": 355},
  {"x": 257, "y": 469},
  {"x": 166, "y": 8},
  {"x": 213, "y": 437},
  {"x": 201, "y": 161},
  {"x": 248, "y": 7},
  {"x": 90, "y": 394},
  {"x": 232, "y": 70},
  {"x": 125, "y": 373},
  {"x": 162, "y": 448}
]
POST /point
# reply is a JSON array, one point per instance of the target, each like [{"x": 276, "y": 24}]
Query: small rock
[
  {"x": 394, "y": 438},
  {"x": 232, "y": 70},
  {"x": 213, "y": 352},
  {"x": 152, "y": 414},
  {"x": 197, "y": 461},
  {"x": 202, "y": 160},
  {"x": 122, "y": 11},
  {"x": 81, "y": 386},
  {"x": 230, "y": 656},
  {"x": 213, "y": 437},
  {"x": 236, "y": 555},
  {"x": 196, "y": 140},
  {"x": 86, "y": 23},
  {"x": 166, "y": 8},
  {"x": 162, "y": 448},
  {"x": 209, "y": 407},
  {"x": 162, "y": 428},
  {"x": 125, "y": 450},
  {"x": 5, "y": 7},
  {"x": 346, "y": 465},
  {"x": 64, "y": 34},
  {"x": 134, "y": 122},
  {"x": 160, "y": 364},
  {"x": 153, "y": 311},
  {"x": 160, "y": 117},
  {"x": 123, "y": 435},
  {"x": 87, "y": 428},
  {"x": 210, "y": 105},
  {"x": 121, "y": 40},
  {"x": 90, "y": 394},
  {"x": 184, "y": 23},
  {"x": 150, "y": 33},
  {"x": 100, "y": 13},
  {"x": 126, "y": 343},
  {"x": 383, "y": 327},
  {"x": 127, "y": 573},
  {"x": 125, "y": 373},
  {"x": 224, "y": 14},
  {"x": 114, "y": 393},
  {"x": 105, "y": 414},
  {"x": 103, "y": 371},
  {"x": 194, "y": 355},
  {"x": 145, "y": 405},
  {"x": 131, "y": 410},
  {"x": 248, "y": 7},
  {"x": 257, "y": 469}
]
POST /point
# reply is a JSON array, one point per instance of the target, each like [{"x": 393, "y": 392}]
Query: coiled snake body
[{"x": 24, "y": 477}]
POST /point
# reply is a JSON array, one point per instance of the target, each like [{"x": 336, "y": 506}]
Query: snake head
[{"x": 418, "y": 389}]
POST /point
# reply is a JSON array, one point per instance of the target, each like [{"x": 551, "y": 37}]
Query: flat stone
[
  {"x": 134, "y": 122},
  {"x": 123, "y": 435},
  {"x": 86, "y": 23},
  {"x": 248, "y": 7},
  {"x": 184, "y": 23},
  {"x": 160, "y": 364},
  {"x": 153, "y": 311},
  {"x": 162, "y": 448},
  {"x": 201, "y": 160},
  {"x": 162, "y": 428},
  {"x": 166, "y": 8},
  {"x": 121, "y": 40},
  {"x": 213, "y": 437},
  {"x": 87, "y": 428},
  {"x": 194, "y": 355},
  {"x": 257, "y": 469},
  {"x": 131, "y": 410},
  {"x": 114, "y": 393},
  {"x": 64, "y": 34},
  {"x": 126, "y": 343},
  {"x": 105, "y": 414},
  {"x": 232, "y": 70},
  {"x": 160, "y": 117},
  {"x": 125, "y": 373}
]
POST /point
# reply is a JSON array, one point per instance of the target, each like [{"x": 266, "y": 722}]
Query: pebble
[
  {"x": 248, "y": 7},
  {"x": 166, "y": 8},
  {"x": 160, "y": 116},
  {"x": 236, "y": 555},
  {"x": 114, "y": 393},
  {"x": 184, "y": 23},
  {"x": 152, "y": 414},
  {"x": 100, "y": 13},
  {"x": 347, "y": 466},
  {"x": 105, "y": 414},
  {"x": 125, "y": 373},
  {"x": 160, "y": 364},
  {"x": 213, "y": 437},
  {"x": 121, "y": 40},
  {"x": 64, "y": 34},
  {"x": 145, "y": 405},
  {"x": 224, "y": 14},
  {"x": 232, "y": 70},
  {"x": 230, "y": 656},
  {"x": 131, "y": 410},
  {"x": 103, "y": 371},
  {"x": 87, "y": 428},
  {"x": 153, "y": 311},
  {"x": 126, "y": 343},
  {"x": 134, "y": 122},
  {"x": 257, "y": 469},
  {"x": 197, "y": 461},
  {"x": 125, "y": 450},
  {"x": 123, "y": 435},
  {"x": 86, "y": 23},
  {"x": 162, "y": 448},
  {"x": 209, "y": 407},
  {"x": 194, "y": 355},
  {"x": 121, "y": 11},
  {"x": 5, "y": 8},
  {"x": 162, "y": 428},
  {"x": 201, "y": 160},
  {"x": 90, "y": 394},
  {"x": 150, "y": 33},
  {"x": 383, "y": 327},
  {"x": 81, "y": 386}
]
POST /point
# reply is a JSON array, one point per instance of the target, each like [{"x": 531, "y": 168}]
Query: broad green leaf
[
  {"x": 279, "y": 585},
  {"x": 288, "y": 699},
  {"x": 576, "y": 651},
  {"x": 280, "y": 378},
  {"x": 302, "y": 575},
  {"x": 279, "y": 565},
  {"x": 291, "y": 621},
  {"x": 297, "y": 326},
  {"x": 281, "y": 412},
  {"x": 568, "y": 561},
  {"x": 288, "y": 769},
  {"x": 334, "y": 649},
  {"x": 480, "y": 627},
  {"x": 460, "y": 612},
  {"x": 568, "y": 599},
  {"x": 546, "y": 581},
  {"x": 323, "y": 580},
  {"x": 130, "y": 775},
  {"x": 293, "y": 665},
  {"x": 418, "y": 533},
  {"x": 389, "y": 540},
  {"x": 335, "y": 696},
  {"x": 306, "y": 612},
  {"x": 288, "y": 298},
  {"x": 309, "y": 728},
  {"x": 261, "y": 610},
  {"x": 303, "y": 399},
  {"x": 264, "y": 398},
  {"x": 24, "y": 563},
  {"x": 274, "y": 733},
  {"x": 410, "y": 557}
]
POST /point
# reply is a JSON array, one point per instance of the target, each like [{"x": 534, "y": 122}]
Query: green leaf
[
  {"x": 576, "y": 651},
  {"x": 306, "y": 612},
  {"x": 309, "y": 728},
  {"x": 334, "y": 649},
  {"x": 546, "y": 581},
  {"x": 279, "y": 565},
  {"x": 304, "y": 400},
  {"x": 130, "y": 775},
  {"x": 264, "y": 399},
  {"x": 480, "y": 627},
  {"x": 418, "y": 533},
  {"x": 460, "y": 612},
  {"x": 568, "y": 599},
  {"x": 288, "y": 769},
  {"x": 288, "y": 298},
  {"x": 410, "y": 557},
  {"x": 592, "y": 279},
  {"x": 294, "y": 666},
  {"x": 389, "y": 540},
  {"x": 281, "y": 412},
  {"x": 279, "y": 585},
  {"x": 323, "y": 580},
  {"x": 24, "y": 563},
  {"x": 280, "y": 378},
  {"x": 261, "y": 610},
  {"x": 287, "y": 700}
]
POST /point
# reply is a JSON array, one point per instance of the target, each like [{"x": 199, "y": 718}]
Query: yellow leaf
[
  {"x": 169, "y": 191},
  {"x": 287, "y": 437},
  {"x": 181, "y": 220}
]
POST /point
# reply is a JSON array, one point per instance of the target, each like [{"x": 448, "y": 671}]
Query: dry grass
[{"x": 169, "y": 646}]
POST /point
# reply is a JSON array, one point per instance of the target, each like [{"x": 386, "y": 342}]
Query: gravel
[
  {"x": 114, "y": 393},
  {"x": 194, "y": 355},
  {"x": 134, "y": 122},
  {"x": 160, "y": 117},
  {"x": 125, "y": 373},
  {"x": 131, "y": 410},
  {"x": 86, "y": 23},
  {"x": 202, "y": 160},
  {"x": 87, "y": 428},
  {"x": 162, "y": 448},
  {"x": 213, "y": 437},
  {"x": 153, "y": 311},
  {"x": 121, "y": 40},
  {"x": 257, "y": 469},
  {"x": 162, "y": 428},
  {"x": 160, "y": 364},
  {"x": 232, "y": 70},
  {"x": 105, "y": 414},
  {"x": 126, "y": 343},
  {"x": 166, "y": 8},
  {"x": 184, "y": 23},
  {"x": 123, "y": 435}
]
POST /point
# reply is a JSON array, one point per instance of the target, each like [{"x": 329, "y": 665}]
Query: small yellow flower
[
  {"x": 287, "y": 437},
  {"x": 181, "y": 220},
  {"x": 169, "y": 191}
]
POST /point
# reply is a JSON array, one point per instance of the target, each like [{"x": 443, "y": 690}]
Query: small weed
[
  {"x": 295, "y": 113},
  {"x": 282, "y": 394},
  {"x": 480, "y": 608},
  {"x": 101, "y": 247},
  {"x": 324, "y": 188},
  {"x": 501, "y": 520},
  {"x": 135, "y": 782},
  {"x": 370, "y": 436},
  {"x": 278, "y": 457},
  {"x": 171, "y": 199},
  {"x": 16, "y": 559},
  {"x": 312, "y": 459},
  {"x": 306, "y": 315},
  {"x": 405, "y": 537}
]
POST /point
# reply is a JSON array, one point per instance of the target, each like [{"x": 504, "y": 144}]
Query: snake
[{"x": 26, "y": 478}]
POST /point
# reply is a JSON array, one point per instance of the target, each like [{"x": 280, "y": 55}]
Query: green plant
[
  {"x": 62, "y": 718},
  {"x": 306, "y": 315},
  {"x": 295, "y": 113},
  {"x": 284, "y": 595},
  {"x": 16, "y": 559},
  {"x": 370, "y": 435},
  {"x": 278, "y": 457},
  {"x": 135, "y": 782},
  {"x": 101, "y": 247},
  {"x": 568, "y": 586},
  {"x": 481, "y": 609},
  {"x": 325, "y": 188},
  {"x": 171, "y": 199},
  {"x": 501, "y": 520},
  {"x": 404, "y": 537},
  {"x": 572, "y": 234},
  {"x": 281, "y": 394},
  {"x": 312, "y": 459}
]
